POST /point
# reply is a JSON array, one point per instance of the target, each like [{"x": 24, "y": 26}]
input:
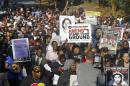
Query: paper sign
[{"x": 73, "y": 80}]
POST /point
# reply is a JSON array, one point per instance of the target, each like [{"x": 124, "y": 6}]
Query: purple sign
[{"x": 20, "y": 49}]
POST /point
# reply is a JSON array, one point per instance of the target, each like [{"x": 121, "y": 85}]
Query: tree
[{"x": 114, "y": 6}]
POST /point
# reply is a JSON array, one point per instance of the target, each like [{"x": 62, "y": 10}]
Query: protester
[
  {"x": 96, "y": 36},
  {"x": 3, "y": 69},
  {"x": 36, "y": 78},
  {"x": 51, "y": 54},
  {"x": 124, "y": 61},
  {"x": 47, "y": 48},
  {"x": 64, "y": 79},
  {"x": 14, "y": 72},
  {"x": 39, "y": 57},
  {"x": 88, "y": 75}
]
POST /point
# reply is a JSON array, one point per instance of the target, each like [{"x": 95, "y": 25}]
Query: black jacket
[
  {"x": 28, "y": 81},
  {"x": 64, "y": 79}
]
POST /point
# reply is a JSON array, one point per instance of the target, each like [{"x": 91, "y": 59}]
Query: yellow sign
[
  {"x": 41, "y": 84},
  {"x": 92, "y": 13}
]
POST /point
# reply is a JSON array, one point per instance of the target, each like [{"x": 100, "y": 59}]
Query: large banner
[
  {"x": 117, "y": 76},
  {"x": 64, "y": 22},
  {"x": 20, "y": 48},
  {"x": 80, "y": 33}
]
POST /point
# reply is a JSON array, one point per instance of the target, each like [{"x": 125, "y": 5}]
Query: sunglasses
[{"x": 37, "y": 71}]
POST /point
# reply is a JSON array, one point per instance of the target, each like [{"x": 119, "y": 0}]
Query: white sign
[
  {"x": 91, "y": 20},
  {"x": 79, "y": 33},
  {"x": 73, "y": 80},
  {"x": 55, "y": 79},
  {"x": 64, "y": 22}
]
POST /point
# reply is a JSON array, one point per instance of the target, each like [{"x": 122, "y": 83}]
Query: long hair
[{"x": 66, "y": 19}]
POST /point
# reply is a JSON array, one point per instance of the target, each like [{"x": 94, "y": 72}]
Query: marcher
[
  {"x": 90, "y": 76},
  {"x": 36, "y": 78},
  {"x": 46, "y": 46}
]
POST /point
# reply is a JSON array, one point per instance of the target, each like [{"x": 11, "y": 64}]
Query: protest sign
[
  {"x": 120, "y": 32},
  {"x": 110, "y": 37},
  {"x": 129, "y": 43},
  {"x": 126, "y": 34},
  {"x": 91, "y": 20},
  {"x": 55, "y": 79},
  {"x": 20, "y": 48},
  {"x": 80, "y": 33},
  {"x": 92, "y": 17},
  {"x": 73, "y": 80},
  {"x": 117, "y": 76},
  {"x": 64, "y": 22}
]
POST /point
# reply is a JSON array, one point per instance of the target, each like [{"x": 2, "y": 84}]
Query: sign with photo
[
  {"x": 110, "y": 37},
  {"x": 117, "y": 76},
  {"x": 80, "y": 33},
  {"x": 20, "y": 48},
  {"x": 120, "y": 32},
  {"x": 64, "y": 22},
  {"x": 109, "y": 40}
]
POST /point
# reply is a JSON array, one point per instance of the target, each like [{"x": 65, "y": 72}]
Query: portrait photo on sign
[
  {"x": 65, "y": 21},
  {"x": 65, "y": 24},
  {"x": 117, "y": 76}
]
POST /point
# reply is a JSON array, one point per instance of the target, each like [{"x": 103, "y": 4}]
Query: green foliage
[
  {"x": 121, "y": 4},
  {"x": 125, "y": 5}
]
